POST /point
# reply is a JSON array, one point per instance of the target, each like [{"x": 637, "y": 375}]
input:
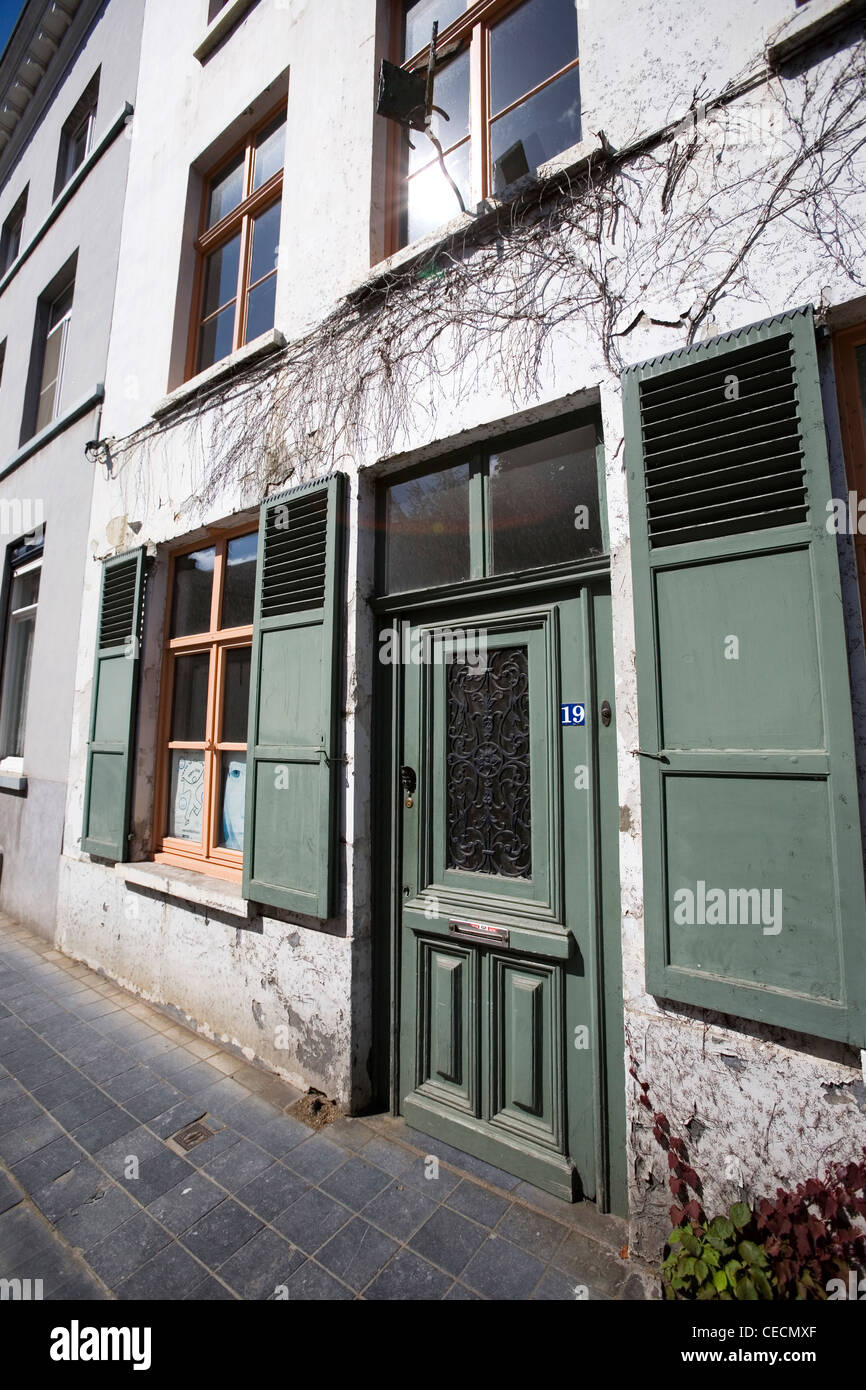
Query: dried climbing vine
[{"x": 679, "y": 219}]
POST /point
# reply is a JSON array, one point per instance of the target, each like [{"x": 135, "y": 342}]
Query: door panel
[
  {"x": 448, "y": 1025},
  {"x": 527, "y": 1025},
  {"x": 500, "y": 894}
]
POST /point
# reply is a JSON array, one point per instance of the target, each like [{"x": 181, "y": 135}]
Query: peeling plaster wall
[
  {"x": 278, "y": 992},
  {"x": 782, "y": 1106}
]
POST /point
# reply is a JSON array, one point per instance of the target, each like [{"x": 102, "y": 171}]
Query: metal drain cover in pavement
[{"x": 192, "y": 1135}]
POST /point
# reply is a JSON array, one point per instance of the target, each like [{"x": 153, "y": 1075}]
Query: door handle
[{"x": 408, "y": 782}]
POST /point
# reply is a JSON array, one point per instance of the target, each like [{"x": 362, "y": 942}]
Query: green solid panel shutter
[
  {"x": 291, "y": 799},
  {"x": 753, "y": 861},
  {"x": 108, "y": 784}
]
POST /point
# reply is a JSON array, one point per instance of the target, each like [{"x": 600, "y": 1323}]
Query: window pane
[
  {"x": 51, "y": 360},
  {"x": 25, "y": 589},
  {"x": 16, "y": 678},
  {"x": 451, "y": 92},
  {"x": 427, "y": 530},
  {"x": 546, "y": 124},
  {"x": 431, "y": 200},
  {"x": 78, "y": 148},
  {"x": 221, "y": 277},
  {"x": 239, "y": 586},
  {"x": 61, "y": 307},
  {"x": 217, "y": 338},
  {"x": 45, "y": 411},
  {"x": 189, "y": 698},
  {"x": 52, "y": 366},
  {"x": 226, "y": 191},
  {"x": 270, "y": 152},
  {"x": 260, "y": 308},
  {"x": 193, "y": 583},
  {"x": 529, "y": 45},
  {"x": 534, "y": 493},
  {"x": 185, "y": 795},
  {"x": 420, "y": 15},
  {"x": 236, "y": 695},
  {"x": 233, "y": 784},
  {"x": 266, "y": 244}
]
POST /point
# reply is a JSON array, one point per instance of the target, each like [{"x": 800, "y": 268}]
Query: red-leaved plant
[{"x": 808, "y": 1235}]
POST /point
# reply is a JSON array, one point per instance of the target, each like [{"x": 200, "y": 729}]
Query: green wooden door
[{"x": 499, "y": 1011}]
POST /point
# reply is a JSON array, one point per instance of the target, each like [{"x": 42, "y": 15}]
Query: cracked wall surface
[{"x": 781, "y": 1105}]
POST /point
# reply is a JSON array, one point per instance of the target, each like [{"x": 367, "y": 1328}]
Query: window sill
[
  {"x": 809, "y": 25},
  {"x": 189, "y": 886},
  {"x": 15, "y": 786},
  {"x": 263, "y": 346},
  {"x": 223, "y": 24},
  {"x": 569, "y": 161},
  {"x": 38, "y": 441}
]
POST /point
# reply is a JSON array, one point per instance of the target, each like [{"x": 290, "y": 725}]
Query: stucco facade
[{"x": 689, "y": 257}]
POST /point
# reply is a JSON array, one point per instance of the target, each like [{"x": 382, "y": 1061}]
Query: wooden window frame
[
  {"x": 238, "y": 221},
  {"x": 207, "y": 857},
  {"x": 474, "y": 26},
  {"x": 852, "y": 417}
]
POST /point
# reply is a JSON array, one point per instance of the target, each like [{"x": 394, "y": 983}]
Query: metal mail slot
[{"x": 479, "y": 931}]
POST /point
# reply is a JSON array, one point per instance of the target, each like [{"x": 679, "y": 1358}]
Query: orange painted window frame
[
  {"x": 852, "y": 416},
  {"x": 238, "y": 221},
  {"x": 474, "y": 26},
  {"x": 207, "y": 857}
]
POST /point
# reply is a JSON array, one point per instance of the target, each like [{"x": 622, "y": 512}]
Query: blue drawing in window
[{"x": 234, "y": 796}]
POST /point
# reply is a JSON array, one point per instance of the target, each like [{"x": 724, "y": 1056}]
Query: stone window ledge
[
  {"x": 809, "y": 25},
  {"x": 189, "y": 886},
  {"x": 223, "y": 24},
  {"x": 266, "y": 343},
  {"x": 54, "y": 428},
  {"x": 9, "y": 782}
]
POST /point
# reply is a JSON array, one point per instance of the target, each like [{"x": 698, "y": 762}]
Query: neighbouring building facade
[
  {"x": 67, "y": 90},
  {"x": 470, "y": 691}
]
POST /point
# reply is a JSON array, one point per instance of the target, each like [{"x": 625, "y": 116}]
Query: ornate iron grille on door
[{"x": 487, "y": 766}]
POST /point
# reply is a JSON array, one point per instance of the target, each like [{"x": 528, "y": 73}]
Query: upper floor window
[
  {"x": 235, "y": 297},
  {"x": 509, "y": 83},
  {"x": 76, "y": 137},
  {"x": 59, "y": 313},
  {"x": 10, "y": 237}
]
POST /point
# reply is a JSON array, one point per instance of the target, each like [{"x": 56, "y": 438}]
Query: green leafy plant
[
  {"x": 787, "y": 1247},
  {"x": 719, "y": 1261}
]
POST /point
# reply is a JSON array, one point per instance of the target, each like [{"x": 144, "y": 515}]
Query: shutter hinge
[{"x": 642, "y": 753}]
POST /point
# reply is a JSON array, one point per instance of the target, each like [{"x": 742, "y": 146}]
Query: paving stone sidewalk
[{"x": 92, "y": 1078}]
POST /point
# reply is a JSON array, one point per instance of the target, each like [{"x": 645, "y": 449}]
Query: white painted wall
[
  {"x": 788, "y": 1104},
  {"x": 55, "y": 482}
]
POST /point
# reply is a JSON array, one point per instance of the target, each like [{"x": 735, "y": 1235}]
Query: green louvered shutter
[
  {"x": 112, "y": 713},
  {"x": 292, "y": 789},
  {"x": 748, "y": 778}
]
